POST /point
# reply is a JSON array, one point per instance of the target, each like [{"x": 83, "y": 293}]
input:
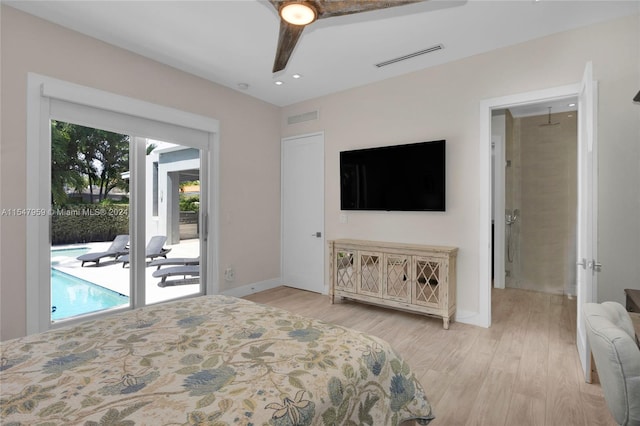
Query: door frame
[
  {"x": 483, "y": 317},
  {"x": 325, "y": 286},
  {"x": 499, "y": 202}
]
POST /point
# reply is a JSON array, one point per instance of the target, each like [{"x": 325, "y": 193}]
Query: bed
[{"x": 213, "y": 360}]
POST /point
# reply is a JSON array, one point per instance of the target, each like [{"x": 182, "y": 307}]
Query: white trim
[
  {"x": 594, "y": 191},
  {"x": 122, "y": 123},
  {"x": 248, "y": 289},
  {"x": 88, "y": 96},
  {"x": 37, "y": 130},
  {"x": 137, "y": 222},
  {"x": 211, "y": 222},
  {"x": 42, "y": 91},
  {"x": 499, "y": 159},
  {"x": 483, "y": 316}
]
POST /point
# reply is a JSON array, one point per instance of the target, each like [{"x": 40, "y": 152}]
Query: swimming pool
[
  {"x": 67, "y": 252},
  {"x": 72, "y": 296}
]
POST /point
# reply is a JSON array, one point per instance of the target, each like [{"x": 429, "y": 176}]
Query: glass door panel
[
  {"x": 89, "y": 220},
  {"x": 173, "y": 211}
]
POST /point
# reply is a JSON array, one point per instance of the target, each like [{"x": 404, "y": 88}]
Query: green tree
[
  {"x": 65, "y": 165},
  {"x": 87, "y": 156}
]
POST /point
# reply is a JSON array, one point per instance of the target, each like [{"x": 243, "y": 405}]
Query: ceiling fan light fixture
[{"x": 298, "y": 13}]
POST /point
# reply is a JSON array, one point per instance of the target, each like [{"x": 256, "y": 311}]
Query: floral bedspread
[{"x": 212, "y": 360}]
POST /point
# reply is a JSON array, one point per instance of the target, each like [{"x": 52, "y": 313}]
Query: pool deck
[{"x": 110, "y": 274}]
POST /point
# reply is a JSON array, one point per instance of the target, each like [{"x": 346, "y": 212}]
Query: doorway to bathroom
[
  {"x": 538, "y": 182},
  {"x": 587, "y": 265}
]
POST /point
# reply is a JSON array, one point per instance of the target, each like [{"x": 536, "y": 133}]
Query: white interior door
[
  {"x": 586, "y": 236},
  {"x": 303, "y": 212}
]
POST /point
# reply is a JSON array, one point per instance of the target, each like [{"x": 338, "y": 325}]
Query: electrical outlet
[{"x": 229, "y": 274}]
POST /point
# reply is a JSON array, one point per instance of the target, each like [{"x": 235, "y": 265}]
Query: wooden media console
[{"x": 410, "y": 277}]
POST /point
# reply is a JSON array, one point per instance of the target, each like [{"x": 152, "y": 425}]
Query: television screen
[{"x": 408, "y": 177}]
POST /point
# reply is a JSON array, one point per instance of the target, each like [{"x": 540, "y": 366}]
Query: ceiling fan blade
[
  {"x": 289, "y": 35},
  {"x": 329, "y": 8}
]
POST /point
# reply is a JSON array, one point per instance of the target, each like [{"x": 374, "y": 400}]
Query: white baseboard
[
  {"x": 248, "y": 289},
  {"x": 470, "y": 317}
]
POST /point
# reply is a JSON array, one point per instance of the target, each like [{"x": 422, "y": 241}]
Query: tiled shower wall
[{"x": 541, "y": 181}]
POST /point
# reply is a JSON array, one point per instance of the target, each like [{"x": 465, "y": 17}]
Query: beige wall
[
  {"x": 443, "y": 102},
  {"x": 250, "y": 154}
]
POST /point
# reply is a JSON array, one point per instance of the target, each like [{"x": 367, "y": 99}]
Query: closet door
[{"x": 303, "y": 244}]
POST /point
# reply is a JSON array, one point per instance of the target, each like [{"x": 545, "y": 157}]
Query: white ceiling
[{"x": 234, "y": 41}]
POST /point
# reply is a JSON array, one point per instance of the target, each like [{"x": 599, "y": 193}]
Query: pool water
[
  {"x": 70, "y": 252},
  {"x": 71, "y": 296}
]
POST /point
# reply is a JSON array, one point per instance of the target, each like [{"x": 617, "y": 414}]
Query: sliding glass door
[{"x": 125, "y": 220}]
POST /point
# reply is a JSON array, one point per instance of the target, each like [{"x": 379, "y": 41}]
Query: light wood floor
[{"x": 523, "y": 370}]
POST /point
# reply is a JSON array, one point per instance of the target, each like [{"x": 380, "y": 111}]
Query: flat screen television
[{"x": 409, "y": 177}]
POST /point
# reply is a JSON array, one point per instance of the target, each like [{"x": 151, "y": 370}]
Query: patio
[{"x": 110, "y": 274}]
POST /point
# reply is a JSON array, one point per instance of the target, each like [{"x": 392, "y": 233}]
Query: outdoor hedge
[{"x": 88, "y": 223}]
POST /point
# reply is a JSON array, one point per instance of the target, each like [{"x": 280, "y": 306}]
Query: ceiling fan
[{"x": 296, "y": 14}]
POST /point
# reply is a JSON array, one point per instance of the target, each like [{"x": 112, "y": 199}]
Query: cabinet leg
[{"x": 445, "y": 323}]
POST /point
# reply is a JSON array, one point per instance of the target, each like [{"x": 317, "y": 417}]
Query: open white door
[
  {"x": 303, "y": 247},
  {"x": 587, "y": 210}
]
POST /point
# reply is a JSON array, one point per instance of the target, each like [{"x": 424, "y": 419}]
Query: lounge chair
[
  {"x": 154, "y": 249},
  {"x": 118, "y": 248},
  {"x": 175, "y": 261},
  {"x": 184, "y": 271}
]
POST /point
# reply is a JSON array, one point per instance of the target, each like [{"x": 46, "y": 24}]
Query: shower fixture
[
  {"x": 549, "y": 123},
  {"x": 510, "y": 219}
]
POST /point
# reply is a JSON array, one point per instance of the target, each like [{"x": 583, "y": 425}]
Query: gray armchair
[{"x": 617, "y": 357}]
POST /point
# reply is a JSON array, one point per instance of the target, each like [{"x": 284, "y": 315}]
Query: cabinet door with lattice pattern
[
  {"x": 370, "y": 266},
  {"x": 397, "y": 278},
  {"x": 345, "y": 270},
  {"x": 427, "y": 279}
]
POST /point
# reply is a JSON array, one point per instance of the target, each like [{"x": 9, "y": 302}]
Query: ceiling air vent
[
  {"x": 300, "y": 118},
  {"x": 411, "y": 55}
]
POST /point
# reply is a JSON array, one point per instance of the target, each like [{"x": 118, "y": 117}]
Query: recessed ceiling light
[
  {"x": 296, "y": 76},
  {"x": 278, "y": 83},
  {"x": 571, "y": 105}
]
